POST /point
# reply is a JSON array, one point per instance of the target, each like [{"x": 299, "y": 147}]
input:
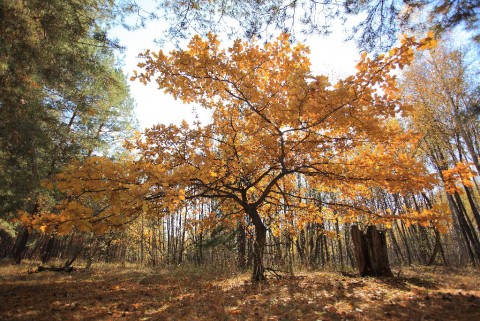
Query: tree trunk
[
  {"x": 258, "y": 246},
  {"x": 460, "y": 236},
  {"x": 403, "y": 235},
  {"x": 396, "y": 247},
  {"x": 317, "y": 249},
  {"x": 6, "y": 242},
  {"x": 90, "y": 253},
  {"x": 250, "y": 242},
  {"x": 347, "y": 247},
  {"x": 311, "y": 245},
  {"x": 339, "y": 242},
  {"x": 473, "y": 206},
  {"x": 371, "y": 252},
  {"x": 327, "y": 253},
  {"x": 241, "y": 246},
  {"x": 183, "y": 231},
  {"x": 300, "y": 247},
  {"x": 48, "y": 248},
  {"x": 20, "y": 245},
  {"x": 470, "y": 237},
  {"x": 437, "y": 248}
]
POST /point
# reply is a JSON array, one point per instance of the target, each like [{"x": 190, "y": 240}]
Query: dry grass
[{"x": 132, "y": 293}]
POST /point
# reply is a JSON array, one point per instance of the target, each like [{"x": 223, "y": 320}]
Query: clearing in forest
[{"x": 112, "y": 293}]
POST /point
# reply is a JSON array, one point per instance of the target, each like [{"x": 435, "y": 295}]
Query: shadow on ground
[{"x": 193, "y": 295}]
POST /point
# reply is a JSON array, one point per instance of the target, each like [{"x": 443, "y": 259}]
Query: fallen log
[{"x": 42, "y": 268}]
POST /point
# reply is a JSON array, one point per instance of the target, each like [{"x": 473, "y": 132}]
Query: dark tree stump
[{"x": 371, "y": 252}]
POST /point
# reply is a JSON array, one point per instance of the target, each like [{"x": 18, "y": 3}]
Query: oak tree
[{"x": 279, "y": 138}]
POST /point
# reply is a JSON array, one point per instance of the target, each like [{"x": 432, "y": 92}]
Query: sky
[{"x": 329, "y": 56}]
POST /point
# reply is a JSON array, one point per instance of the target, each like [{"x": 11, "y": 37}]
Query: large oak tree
[{"x": 279, "y": 137}]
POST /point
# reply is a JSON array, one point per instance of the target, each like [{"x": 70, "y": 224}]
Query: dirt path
[{"x": 128, "y": 294}]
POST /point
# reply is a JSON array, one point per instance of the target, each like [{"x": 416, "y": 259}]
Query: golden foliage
[
  {"x": 457, "y": 177},
  {"x": 282, "y": 142}
]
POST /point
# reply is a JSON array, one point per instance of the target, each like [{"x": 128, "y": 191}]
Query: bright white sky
[{"x": 329, "y": 55}]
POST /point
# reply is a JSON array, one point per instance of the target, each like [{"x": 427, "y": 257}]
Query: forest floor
[{"x": 115, "y": 293}]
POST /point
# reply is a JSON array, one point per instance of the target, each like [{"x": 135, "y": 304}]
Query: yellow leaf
[{"x": 181, "y": 195}]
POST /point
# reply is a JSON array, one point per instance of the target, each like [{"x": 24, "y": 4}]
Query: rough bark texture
[
  {"x": 258, "y": 246},
  {"x": 258, "y": 249},
  {"x": 436, "y": 248},
  {"x": 241, "y": 247},
  {"x": 47, "y": 250},
  {"x": 20, "y": 246},
  {"x": 371, "y": 252}
]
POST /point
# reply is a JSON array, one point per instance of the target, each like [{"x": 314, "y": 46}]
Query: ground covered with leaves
[{"x": 111, "y": 293}]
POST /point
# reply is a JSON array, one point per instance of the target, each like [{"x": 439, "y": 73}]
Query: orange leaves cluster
[
  {"x": 437, "y": 216},
  {"x": 457, "y": 177},
  {"x": 99, "y": 194},
  {"x": 277, "y": 134}
]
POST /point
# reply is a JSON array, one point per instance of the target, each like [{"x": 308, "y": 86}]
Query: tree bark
[
  {"x": 20, "y": 245},
  {"x": 48, "y": 248},
  {"x": 437, "y": 248},
  {"x": 300, "y": 244},
  {"x": 371, "y": 252},
  {"x": 470, "y": 237},
  {"x": 396, "y": 247},
  {"x": 339, "y": 243},
  {"x": 460, "y": 236},
  {"x": 258, "y": 246},
  {"x": 347, "y": 247},
  {"x": 403, "y": 235},
  {"x": 473, "y": 206},
  {"x": 241, "y": 246}
]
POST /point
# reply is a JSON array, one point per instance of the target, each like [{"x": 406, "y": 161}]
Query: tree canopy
[
  {"x": 283, "y": 145},
  {"x": 378, "y": 23},
  {"x": 62, "y": 94}
]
